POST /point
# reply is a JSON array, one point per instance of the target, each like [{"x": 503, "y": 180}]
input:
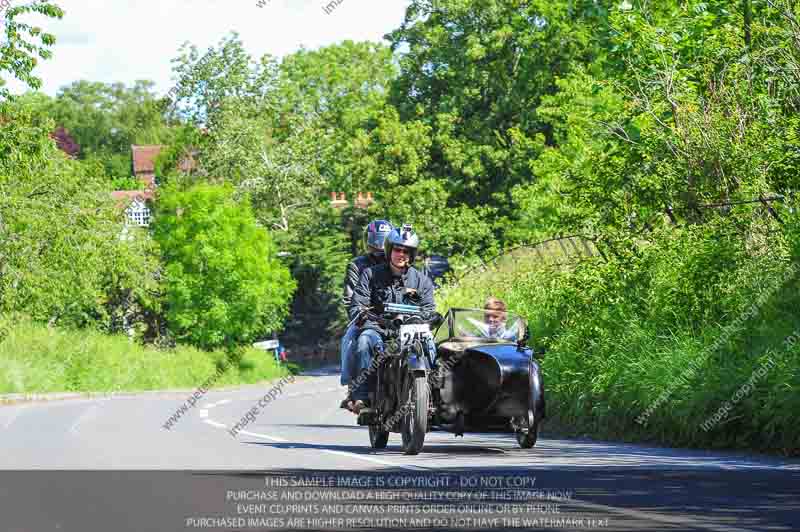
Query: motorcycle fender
[
  {"x": 536, "y": 390},
  {"x": 417, "y": 365}
]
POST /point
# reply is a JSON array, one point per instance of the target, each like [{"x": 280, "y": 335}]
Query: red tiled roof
[
  {"x": 144, "y": 158},
  {"x": 125, "y": 197}
]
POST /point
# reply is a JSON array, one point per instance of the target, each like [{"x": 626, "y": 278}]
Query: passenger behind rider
[
  {"x": 391, "y": 282},
  {"x": 374, "y": 235}
]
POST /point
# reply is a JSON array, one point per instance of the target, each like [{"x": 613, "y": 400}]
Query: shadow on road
[{"x": 389, "y": 451}]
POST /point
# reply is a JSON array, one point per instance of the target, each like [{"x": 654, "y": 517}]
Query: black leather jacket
[
  {"x": 354, "y": 270},
  {"x": 378, "y": 285}
]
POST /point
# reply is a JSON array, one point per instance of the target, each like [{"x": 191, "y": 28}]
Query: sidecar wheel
[
  {"x": 415, "y": 422},
  {"x": 528, "y": 440},
  {"x": 378, "y": 438}
]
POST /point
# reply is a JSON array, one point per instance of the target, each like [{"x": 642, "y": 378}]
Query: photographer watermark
[
  {"x": 688, "y": 374},
  {"x": 265, "y": 400},
  {"x": 197, "y": 395},
  {"x": 438, "y": 374},
  {"x": 724, "y": 411},
  {"x": 366, "y": 372},
  {"x": 330, "y": 7}
]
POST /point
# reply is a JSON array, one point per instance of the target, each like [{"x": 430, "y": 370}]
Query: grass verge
[
  {"x": 38, "y": 359},
  {"x": 691, "y": 341}
]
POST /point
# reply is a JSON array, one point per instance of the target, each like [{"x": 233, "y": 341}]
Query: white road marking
[
  {"x": 257, "y": 435},
  {"x": 223, "y": 402},
  {"x": 329, "y": 451},
  {"x": 375, "y": 460},
  {"x": 74, "y": 428},
  {"x": 687, "y": 521},
  {"x": 16, "y": 415},
  {"x": 204, "y": 412}
]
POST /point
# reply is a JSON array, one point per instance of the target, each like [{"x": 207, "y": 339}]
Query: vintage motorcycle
[
  {"x": 468, "y": 375},
  {"x": 398, "y": 377}
]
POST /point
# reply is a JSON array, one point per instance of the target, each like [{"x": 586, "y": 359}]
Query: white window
[{"x": 138, "y": 213}]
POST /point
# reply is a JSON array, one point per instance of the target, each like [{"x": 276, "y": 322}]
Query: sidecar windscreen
[{"x": 489, "y": 326}]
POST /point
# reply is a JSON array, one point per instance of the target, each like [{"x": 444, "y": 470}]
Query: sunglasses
[{"x": 404, "y": 251}]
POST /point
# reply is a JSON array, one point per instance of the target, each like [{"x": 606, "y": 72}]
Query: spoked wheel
[
  {"x": 528, "y": 439},
  {"x": 378, "y": 438},
  {"x": 415, "y": 421}
]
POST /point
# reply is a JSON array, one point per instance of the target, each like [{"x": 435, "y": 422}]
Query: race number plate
[{"x": 411, "y": 333}]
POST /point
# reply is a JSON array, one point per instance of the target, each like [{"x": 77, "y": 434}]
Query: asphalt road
[{"x": 303, "y": 464}]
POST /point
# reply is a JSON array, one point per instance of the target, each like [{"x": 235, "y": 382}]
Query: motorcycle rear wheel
[{"x": 415, "y": 422}]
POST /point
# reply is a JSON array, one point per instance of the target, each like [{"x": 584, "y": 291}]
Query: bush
[
  {"x": 666, "y": 336},
  {"x": 224, "y": 284}
]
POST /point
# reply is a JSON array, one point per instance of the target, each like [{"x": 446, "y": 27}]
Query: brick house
[{"x": 137, "y": 202}]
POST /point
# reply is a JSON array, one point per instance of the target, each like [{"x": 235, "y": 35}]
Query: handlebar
[{"x": 395, "y": 314}]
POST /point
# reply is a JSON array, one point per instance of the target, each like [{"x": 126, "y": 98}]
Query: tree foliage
[
  {"x": 223, "y": 283},
  {"x": 61, "y": 256},
  {"x": 23, "y": 45}
]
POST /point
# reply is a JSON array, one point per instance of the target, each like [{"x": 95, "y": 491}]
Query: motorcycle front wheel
[
  {"x": 415, "y": 420},
  {"x": 378, "y": 438}
]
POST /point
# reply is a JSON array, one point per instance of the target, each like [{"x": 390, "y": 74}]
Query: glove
[{"x": 361, "y": 317}]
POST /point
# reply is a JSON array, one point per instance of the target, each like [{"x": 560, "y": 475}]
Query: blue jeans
[
  {"x": 368, "y": 340},
  {"x": 346, "y": 349}
]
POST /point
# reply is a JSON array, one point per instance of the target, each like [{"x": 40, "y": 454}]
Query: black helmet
[
  {"x": 376, "y": 232},
  {"x": 402, "y": 236}
]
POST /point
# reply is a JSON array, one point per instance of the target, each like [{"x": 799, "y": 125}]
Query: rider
[
  {"x": 374, "y": 236},
  {"x": 395, "y": 281}
]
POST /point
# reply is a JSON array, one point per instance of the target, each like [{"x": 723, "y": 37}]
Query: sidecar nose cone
[{"x": 480, "y": 376}]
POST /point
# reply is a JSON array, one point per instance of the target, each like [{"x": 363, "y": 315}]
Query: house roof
[
  {"x": 126, "y": 197},
  {"x": 144, "y": 158}
]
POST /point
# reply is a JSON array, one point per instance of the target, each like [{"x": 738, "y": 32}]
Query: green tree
[
  {"x": 224, "y": 285},
  {"x": 459, "y": 230},
  {"x": 475, "y": 72},
  {"x": 61, "y": 256},
  {"x": 19, "y": 48},
  {"x": 106, "y": 119}
]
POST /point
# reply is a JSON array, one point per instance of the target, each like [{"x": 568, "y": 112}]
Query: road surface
[{"x": 302, "y": 463}]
